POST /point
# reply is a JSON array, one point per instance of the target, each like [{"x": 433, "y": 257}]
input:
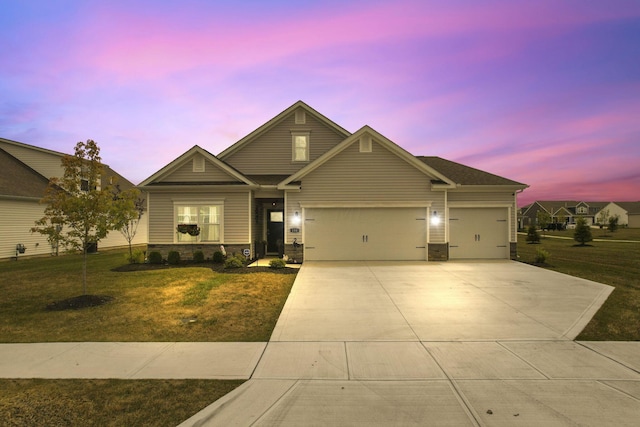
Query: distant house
[
  {"x": 24, "y": 175},
  {"x": 301, "y": 184},
  {"x": 567, "y": 211}
]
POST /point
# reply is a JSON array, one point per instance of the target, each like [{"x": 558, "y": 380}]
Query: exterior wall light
[
  {"x": 296, "y": 218},
  {"x": 435, "y": 219}
]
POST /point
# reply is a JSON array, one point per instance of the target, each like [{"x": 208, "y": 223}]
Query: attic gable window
[
  {"x": 300, "y": 146},
  {"x": 198, "y": 164}
]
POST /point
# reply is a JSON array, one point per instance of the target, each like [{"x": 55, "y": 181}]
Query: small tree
[
  {"x": 128, "y": 209},
  {"x": 79, "y": 211},
  {"x": 543, "y": 218},
  {"x": 603, "y": 218},
  {"x": 532, "y": 235},
  {"x": 582, "y": 233},
  {"x": 613, "y": 223}
]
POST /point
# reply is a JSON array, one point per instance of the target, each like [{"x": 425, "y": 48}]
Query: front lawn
[
  {"x": 615, "y": 264},
  {"x": 173, "y": 304},
  {"x": 106, "y": 402}
]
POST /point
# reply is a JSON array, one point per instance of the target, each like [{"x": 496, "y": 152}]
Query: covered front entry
[
  {"x": 478, "y": 233},
  {"x": 334, "y": 234}
]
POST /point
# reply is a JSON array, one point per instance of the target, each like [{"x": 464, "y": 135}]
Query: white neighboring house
[
  {"x": 24, "y": 175},
  {"x": 628, "y": 213}
]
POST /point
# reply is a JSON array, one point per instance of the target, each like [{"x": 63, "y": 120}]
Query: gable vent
[
  {"x": 301, "y": 117},
  {"x": 365, "y": 143},
  {"x": 198, "y": 164}
]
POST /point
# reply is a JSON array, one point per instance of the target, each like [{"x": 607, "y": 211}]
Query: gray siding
[
  {"x": 376, "y": 177},
  {"x": 270, "y": 152},
  {"x": 46, "y": 164},
  {"x": 185, "y": 173},
  {"x": 235, "y": 215}
]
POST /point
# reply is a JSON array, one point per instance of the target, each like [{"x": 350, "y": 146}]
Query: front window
[
  {"x": 206, "y": 218},
  {"x": 301, "y": 147}
]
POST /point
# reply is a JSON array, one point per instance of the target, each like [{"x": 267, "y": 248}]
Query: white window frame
[
  {"x": 184, "y": 238},
  {"x": 294, "y": 147}
]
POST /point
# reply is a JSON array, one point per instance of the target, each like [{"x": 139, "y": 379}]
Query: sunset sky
[{"x": 544, "y": 92}]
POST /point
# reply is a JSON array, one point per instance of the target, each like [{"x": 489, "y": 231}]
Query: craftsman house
[
  {"x": 24, "y": 175},
  {"x": 302, "y": 185}
]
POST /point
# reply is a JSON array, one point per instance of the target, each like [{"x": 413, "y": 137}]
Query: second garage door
[
  {"x": 478, "y": 233},
  {"x": 365, "y": 234}
]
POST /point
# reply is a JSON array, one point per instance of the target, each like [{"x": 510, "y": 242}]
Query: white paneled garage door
[
  {"x": 478, "y": 233},
  {"x": 365, "y": 234}
]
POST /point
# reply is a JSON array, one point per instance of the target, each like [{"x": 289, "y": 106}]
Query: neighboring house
[
  {"x": 567, "y": 211},
  {"x": 302, "y": 185},
  {"x": 24, "y": 175}
]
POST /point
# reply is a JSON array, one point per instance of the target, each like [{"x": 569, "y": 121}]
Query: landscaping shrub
[
  {"x": 541, "y": 256},
  {"x": 218, "y": 257},
  {"x": 582, "y": 233},
  {"x": 532, "y": 235},
  {"x": 173, "y": 257},
  {"x": 155, "y": 257},
  {"x": 136, "y": 257},
  {"x": 277, "y": 263},
  {"x": 198, "y": 256},
  {"x": 235, "y": 261}
]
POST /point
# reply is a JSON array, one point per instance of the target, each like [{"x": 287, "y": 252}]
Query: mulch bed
[
  {"x": 79, "y": 302},
  {"x": 215, "y": 267}
]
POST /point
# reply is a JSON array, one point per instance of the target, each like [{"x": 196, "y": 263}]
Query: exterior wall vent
[
  {"x": 198, "y": 164},
  {"x": 365, "y": 143},
  {"x": 301, "y": 117}
]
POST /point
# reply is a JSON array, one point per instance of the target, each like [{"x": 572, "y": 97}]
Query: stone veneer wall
[
  {"x": 513, "y": 250},
  {"x": 294, "y": 254},
  {"x": 186, "y": 250},
  {"x": 438, "y": 252}
]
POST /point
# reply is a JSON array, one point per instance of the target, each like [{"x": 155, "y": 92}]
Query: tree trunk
[{"x": 84, "y": 271}]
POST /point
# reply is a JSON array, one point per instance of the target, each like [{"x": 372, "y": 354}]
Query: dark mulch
[
  {"x": 215, "y": 267},
  {"x": 79, "y": 302}
]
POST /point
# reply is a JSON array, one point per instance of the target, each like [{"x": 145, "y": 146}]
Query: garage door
[
  {"x": 478, "y": 233},
  {"x": 365, "y": 234}
]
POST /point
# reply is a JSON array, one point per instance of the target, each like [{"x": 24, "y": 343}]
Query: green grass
[
  {"x": 148, "y": 306},
  {"x": 152, "y": 305},
  {"x": 106, "y": 402},
  {"x": 615, "y": 264}
]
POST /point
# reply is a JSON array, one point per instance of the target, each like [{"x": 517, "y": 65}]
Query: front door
[{"x": 275, "y": 230}]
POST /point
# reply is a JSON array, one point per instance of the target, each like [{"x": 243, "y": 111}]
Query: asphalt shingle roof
[
  {"x": 19, "y": 180},
  {"x": 465, "y": 175}
]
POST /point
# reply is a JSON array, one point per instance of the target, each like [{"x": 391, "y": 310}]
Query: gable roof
[
  {"x": 274, "y": 121},
  {"x": 630, "y": 207},
  {"x": 466, "y": 175},
  {"x": 17, "y": 180},
  {"x": 185, "y": 156},
  {"x": 380, "y": 139}
]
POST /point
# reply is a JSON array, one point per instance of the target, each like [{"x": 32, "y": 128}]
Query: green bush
[
  {"x": 218, "y": 257},
  {"x": 198, "y": 256},
  {"x": 173, "y": 257},
  {"x": 136, "y": 257},
  {"x": 582, "y": 233},
  {"x": 532, "y": 235},
  {"x": 541, "y": 256},
  {"x": 155, "y": 257},
  {"x": 277, "y": 263},
  {"x": 235, "y": 261}
]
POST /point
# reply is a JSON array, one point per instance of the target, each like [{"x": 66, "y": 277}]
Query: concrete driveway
[
  {"x": 452, "y": 344},
  {"x": 453, "y": 301}
]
